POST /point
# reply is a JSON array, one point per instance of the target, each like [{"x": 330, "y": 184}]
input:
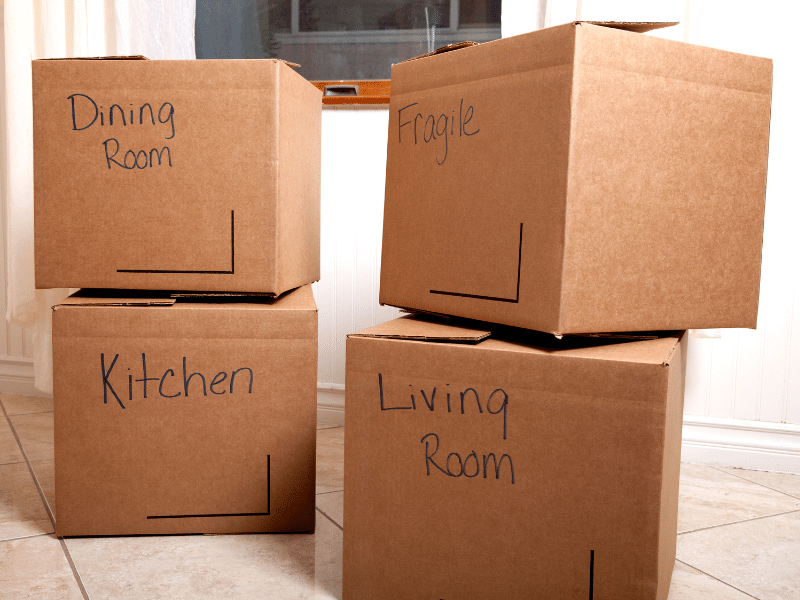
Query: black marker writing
[
  {"x": 470, "y": 466},
  {"x": 86, "y": 111},
  {"x": 495, "y": 404},
  {"x": 432, "y": 127},
  {"x": 170, "y": 385}
]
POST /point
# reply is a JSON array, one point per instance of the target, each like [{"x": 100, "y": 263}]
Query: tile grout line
[
  {"x": 329, "y": 519},
  {"x": 46, "y": 504},
  {"x": 758, "y": 483},
  {"x": 25, "y": 537},
  {"x": 30, "y": 468},
  {"x": 328, "y": 492},
  {"x": 718, "y": 579},
  {"x": 74, "y": 568},
  {"x": 788, "y": 512}
]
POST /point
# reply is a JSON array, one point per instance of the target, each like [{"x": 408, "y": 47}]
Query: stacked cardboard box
[
  {"x": 194, "y": 409},
  {"x": 575, "y": 180}
]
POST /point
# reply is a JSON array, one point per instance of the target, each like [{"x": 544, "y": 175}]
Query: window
[{"x": 340, "y": 39}]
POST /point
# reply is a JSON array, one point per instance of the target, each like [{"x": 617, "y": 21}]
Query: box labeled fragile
[
  {"x": 510, "y": 466},
  {"x": 184, "y": 417},
  {"x": 176, "y": 175},
  {"x": 581, "y": 178}
]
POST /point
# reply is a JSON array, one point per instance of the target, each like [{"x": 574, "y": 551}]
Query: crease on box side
[
  {"x": 681, "y": 79},
  {"x": 702, "y": 65},
  {"x": 766, "y": 181},
  {"x": 668, "y": 510},
  {"x": 570, "y": 162},
  {"x": 477, "y": 80},
  {"x": 298, "y": 201},
  {"x": 275, "y": 165},
  {"x": 356, "y": 551}
]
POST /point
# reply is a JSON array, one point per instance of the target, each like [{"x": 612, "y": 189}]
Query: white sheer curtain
[{"x": 158, "y": 29}]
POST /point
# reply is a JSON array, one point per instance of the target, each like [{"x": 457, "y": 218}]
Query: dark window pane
[
  {"x": 370, "y": 15},
  {"x": 227, "y": 29},
  {"x": 340, "y": 39},
  {"x": 479, "y": 13}
]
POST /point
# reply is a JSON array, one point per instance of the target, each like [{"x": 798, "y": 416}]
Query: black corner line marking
[
  {"x": 514, "y": 300},
  {"x": 591, "y": 576},
  {"x": 180, "y": 271},
  {"x": 269, "y": 482},
  {"x": 212, "y": 515}
]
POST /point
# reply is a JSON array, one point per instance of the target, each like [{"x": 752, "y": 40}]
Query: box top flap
[
  {"x": 425, "y": 328},
  {"x": 132, "y": 57},
  {"x": 634, "y": 26},
  {"x": 301, "y": 298},
  {"x": 637, "y": 27},
  {"x": 110, "y": 298},
  {"x": 141, "y": 57},
  {"x": 648, "y": 348},
  {"x": 681, "y": 338},
  {"x": 443, "y": 49},
  {"x": 217, "y": 295},
  {"x": 635, "y": 335},
  {"x": 657, "y": 351}
]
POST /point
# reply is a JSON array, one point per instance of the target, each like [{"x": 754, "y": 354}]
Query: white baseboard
[
  {"x": 16, "y": 376},
  {"x": 754, "y": 445},
  {"x": 330, "y": 404}
]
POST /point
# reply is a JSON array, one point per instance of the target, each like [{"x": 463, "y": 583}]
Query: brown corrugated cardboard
[
  {"x": 188, "y": 418},
  {"x": 578, "y": 179},
  {"x": 181, "y": 175},
  {"x": 519, "y": 466}
]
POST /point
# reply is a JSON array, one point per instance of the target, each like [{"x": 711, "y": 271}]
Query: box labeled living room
[
  {"x": 179, "y": 416},
  {"x": 488, "y": 462},
  {"x": 175, "y": 175}
]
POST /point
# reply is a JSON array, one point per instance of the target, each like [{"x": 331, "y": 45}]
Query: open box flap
[
  {"x": 110, "y": 298},
  {"x": 225, "y": 295},
  {"x": 425, "y": 328},
  {"x": 132, "y": 57},
  {"x": 634, "y": 26}
]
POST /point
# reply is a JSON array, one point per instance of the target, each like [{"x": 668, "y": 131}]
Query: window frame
[{"x": 378, "y": 91}]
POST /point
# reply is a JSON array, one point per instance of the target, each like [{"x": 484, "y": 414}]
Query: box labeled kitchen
[
  {"x": 177, "y": 175},
  {"x": 510, "y": 466},
  {"x": 175, "y": 416},
  {"x": 581, "y": 178}
]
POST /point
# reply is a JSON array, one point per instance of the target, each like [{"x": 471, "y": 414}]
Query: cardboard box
[
  {"x": 185, "y": 417},
  {"x": 577, "y": 179},
  {"x": 176, "y": 175},
  {"x": 518, "y": 466}
]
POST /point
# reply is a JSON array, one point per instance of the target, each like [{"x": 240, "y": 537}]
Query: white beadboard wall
[
  {"x": 16, "y": 347},
  {"x": 743, "y": 388},
  {"x": 353, "y": 177}
]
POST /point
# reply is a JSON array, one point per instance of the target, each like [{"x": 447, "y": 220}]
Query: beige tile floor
[{"x": 739, "y": 536}]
